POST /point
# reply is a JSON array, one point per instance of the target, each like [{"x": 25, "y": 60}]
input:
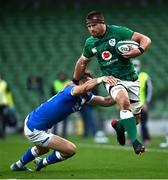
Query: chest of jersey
[{"x": 105, "y": 49}]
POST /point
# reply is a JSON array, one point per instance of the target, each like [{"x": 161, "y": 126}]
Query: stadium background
[{"x": 42, "y": 37}]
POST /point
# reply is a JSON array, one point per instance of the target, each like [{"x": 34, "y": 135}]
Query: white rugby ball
[{"x": 124, "y": 46}]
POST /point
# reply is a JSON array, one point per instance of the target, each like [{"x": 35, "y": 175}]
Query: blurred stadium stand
[{"x": 42, "y": 37}]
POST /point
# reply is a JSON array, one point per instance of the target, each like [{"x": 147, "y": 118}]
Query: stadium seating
[{"x": 45, "y": 42}]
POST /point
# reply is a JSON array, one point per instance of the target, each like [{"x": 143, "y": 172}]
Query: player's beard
[{"x": 96, "y": 34}]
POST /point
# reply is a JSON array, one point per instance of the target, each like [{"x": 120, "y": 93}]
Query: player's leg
[
  {"x": 144, "y": 128},
  {"x": 39, "y": 138},
  {"x": 127, "y": 120},
  {"x": 2, "y": 121},
  {"x": 62, "y": 150},
  {"x": 135, "y": 107},
  {"x": 120, "y": 131},
  {"x": 30, "y": 155}
]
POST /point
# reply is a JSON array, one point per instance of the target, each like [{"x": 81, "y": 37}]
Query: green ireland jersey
[{"x": 110, "y": 62}]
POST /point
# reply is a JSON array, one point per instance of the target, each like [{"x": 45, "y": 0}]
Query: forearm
[
  {"x": 107, "y": 79},
  {"x": 89, "y": 85},
  {"x": 80, "y": 68},
  {"x": 102, "y": 101},
  {"x": 108, "y": 101},
  {"x": 143, "y": 40},
  {"x": 145, "y": 43}
]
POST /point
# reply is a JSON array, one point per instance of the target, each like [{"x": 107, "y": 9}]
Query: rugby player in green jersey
[{"x": 102, "y": 44}]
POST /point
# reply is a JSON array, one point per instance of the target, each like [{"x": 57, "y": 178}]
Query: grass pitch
[{"x": 94, "y": 161}]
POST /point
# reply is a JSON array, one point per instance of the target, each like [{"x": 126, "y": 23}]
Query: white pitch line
[{"x": 105, "y": 146}]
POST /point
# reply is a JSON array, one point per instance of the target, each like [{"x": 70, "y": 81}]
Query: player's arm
[
  {"x": 82, "y": 62},
  {"x": 144, "y": 42},
  {"x": 89, "y": 85},
  {"x": 102, "y": 101},
  {"x": 80, "y": 68}
]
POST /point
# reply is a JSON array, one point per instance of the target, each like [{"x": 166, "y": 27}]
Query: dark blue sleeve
[{"x": 89, "y": 96}]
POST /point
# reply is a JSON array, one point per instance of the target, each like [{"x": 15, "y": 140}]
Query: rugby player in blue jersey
[{"x": 57, "y": 108}]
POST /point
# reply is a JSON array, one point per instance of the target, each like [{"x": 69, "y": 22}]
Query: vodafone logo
[{"x": 106, "y": 55}]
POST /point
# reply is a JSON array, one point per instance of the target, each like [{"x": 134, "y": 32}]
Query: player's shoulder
[
  {"x": 116, "y": 27},
  {"x": 69, "y": 88},
  {"x": 91, "y": 40}
]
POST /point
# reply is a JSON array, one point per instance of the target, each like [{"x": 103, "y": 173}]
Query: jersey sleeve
[
  {"x": 68, "y": 91},
  {"x": 124, "y": 32},
  {"x": 87, "y": 50},
  {"x": 89, "y": 97},
  {"x": 71, "y": 89}
]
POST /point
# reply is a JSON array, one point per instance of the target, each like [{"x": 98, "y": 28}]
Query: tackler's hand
[{"x": 110, "y": 80}]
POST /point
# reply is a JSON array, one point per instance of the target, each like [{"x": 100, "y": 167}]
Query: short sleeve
[
  {"x": 87, "y": 50},
  {"x": 89, "y": 97},
  {"x": 124, "y": 32}
]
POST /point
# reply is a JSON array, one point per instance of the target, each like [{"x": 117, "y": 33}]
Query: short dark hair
[
  {"x": 86, "y": 74},
  {"x": 95, "y": 17}
]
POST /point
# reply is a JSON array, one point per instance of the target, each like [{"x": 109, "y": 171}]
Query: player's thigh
[
  {"x": 133, "y": 90},
  {"x": 37, "y": 137},
  {"x": 119, "y": 94},
  {"x": 42, "y": 140},
  {"x": 60, "y": 144},
  {"x": 118, "y": 90}
]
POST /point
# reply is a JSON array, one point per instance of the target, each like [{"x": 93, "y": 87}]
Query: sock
[
  {"x": 54, "y": 157},
  {"x": 19, "y": 164},
  {"x": 27, "y": 157},
  {"x": 128, "y": 122}
]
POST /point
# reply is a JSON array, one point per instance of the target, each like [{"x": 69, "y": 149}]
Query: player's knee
[
  {"x": 124, "y": 103},
  {"x": 71, "y": 149}
]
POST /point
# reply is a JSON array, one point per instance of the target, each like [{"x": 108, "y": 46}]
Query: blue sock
[
  {"x": 28, "y": 156},
  {"x": 54, "y": 157}
]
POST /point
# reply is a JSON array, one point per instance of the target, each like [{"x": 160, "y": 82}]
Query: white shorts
[
  {"x": 133, "y": 90},
  {"x": 38, "y": 137}
]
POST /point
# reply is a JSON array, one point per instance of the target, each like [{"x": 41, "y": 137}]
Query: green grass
[{"x": 104, "y": 161}]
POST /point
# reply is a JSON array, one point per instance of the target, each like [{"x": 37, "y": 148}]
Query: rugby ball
[{"x": 124, "y": 46}]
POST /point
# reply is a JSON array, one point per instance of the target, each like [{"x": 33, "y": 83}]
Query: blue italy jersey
[{"x": 56, "y": 109}]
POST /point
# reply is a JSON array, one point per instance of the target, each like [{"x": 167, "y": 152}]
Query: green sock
[{"x": 130, "y": 126}]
